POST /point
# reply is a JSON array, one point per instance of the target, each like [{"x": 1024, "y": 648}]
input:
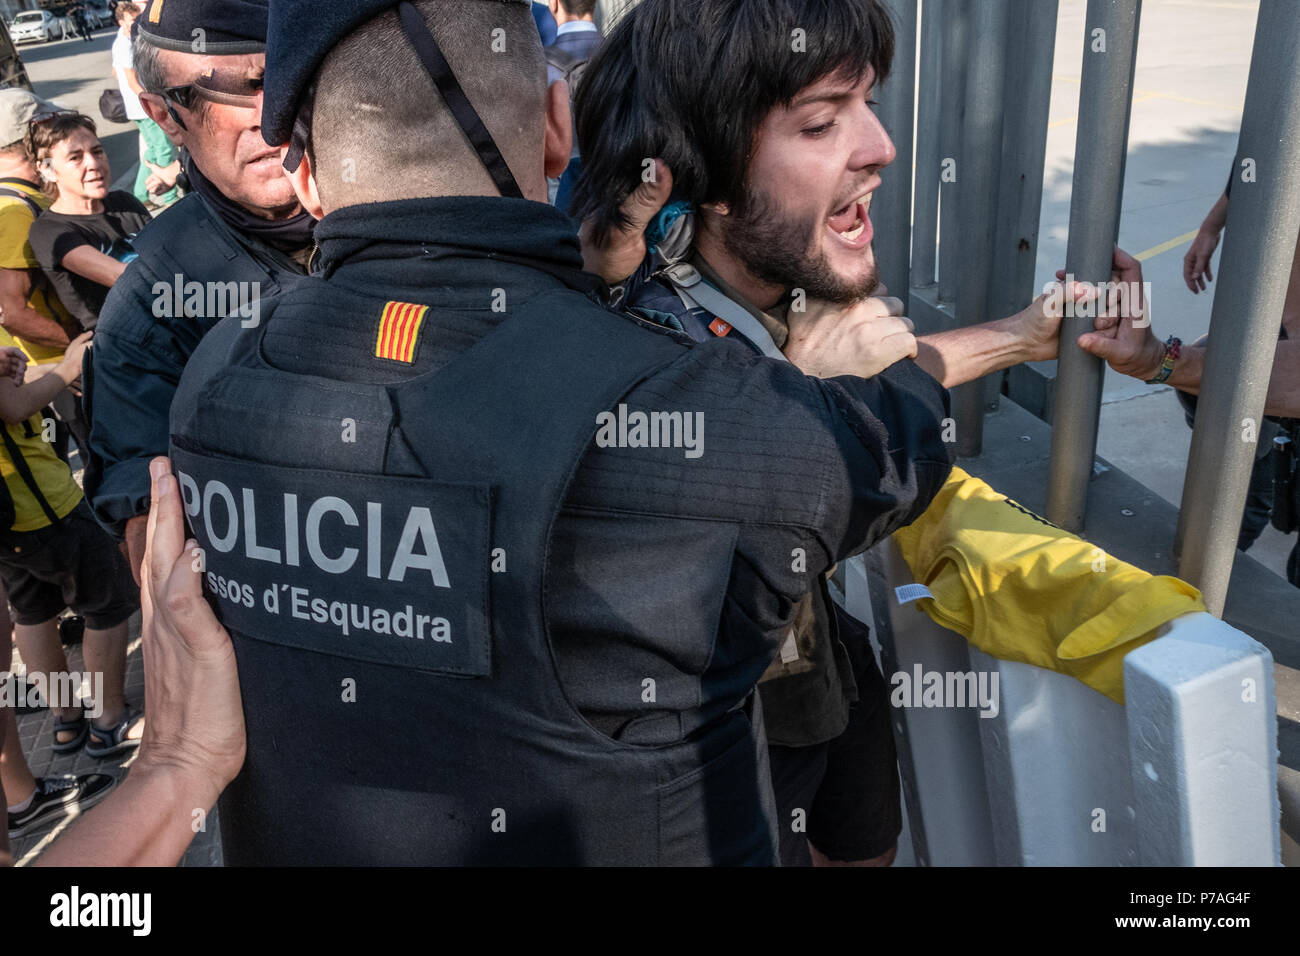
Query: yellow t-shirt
[
  {"x": 51, "y": 474},
  {"x": 1021, "y": 589},
  {"x": 16, "y": 253}
]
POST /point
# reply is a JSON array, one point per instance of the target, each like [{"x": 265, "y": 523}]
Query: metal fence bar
[
  {"x": 981, "y": 153},
  {"x": 1031, "y": 50},
  {"x": 891, "y": 211},
  {"x": 925, "y": 211},
  {"x": 1030, "y": 55},
  {"x": 1106, "y": 88},
  {"x": 952, "y": 91},
  {"x": 1260, "y": 240}
]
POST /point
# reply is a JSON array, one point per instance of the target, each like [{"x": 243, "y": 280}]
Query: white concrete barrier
[{"x": 1057, "y": 774}]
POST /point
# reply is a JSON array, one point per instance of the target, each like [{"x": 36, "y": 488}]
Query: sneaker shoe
[{"x": 59, "y": 797}]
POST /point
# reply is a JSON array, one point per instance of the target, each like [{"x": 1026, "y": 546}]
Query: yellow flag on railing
[{"x": 1021, "y": 589}]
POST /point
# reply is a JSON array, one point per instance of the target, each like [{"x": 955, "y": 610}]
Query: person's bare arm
[
  {"x": 962, "y": 355},
  {"x": 132, "y": 80},
  {"x": 19, "y": 402},
  {"x": 1291, "y": 307},
  {"x": 21, "y": 319},
  {"x": 93, "y": 265},
  {"x": 194, "y": 738},
  {"x": 1196, "y": 263},
  {"x": 1283, "y": 387}
]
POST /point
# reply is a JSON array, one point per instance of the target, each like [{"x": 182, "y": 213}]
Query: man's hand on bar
[{"x": 1122, "y": 335}]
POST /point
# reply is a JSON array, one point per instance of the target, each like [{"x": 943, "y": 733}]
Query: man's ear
[
  {"x": 717, "y": 208},
  {"x": 157, "y": 110},
  {"x": 559, "y": 129},
  {"x": 555, "y": 7},
  {"x": 304, "y": 184}
]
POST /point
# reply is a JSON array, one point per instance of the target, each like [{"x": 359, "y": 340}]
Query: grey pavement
[{"x": 36, "y": 731}]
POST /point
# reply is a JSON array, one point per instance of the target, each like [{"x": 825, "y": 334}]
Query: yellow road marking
[{"x": 1165, "y": 246}]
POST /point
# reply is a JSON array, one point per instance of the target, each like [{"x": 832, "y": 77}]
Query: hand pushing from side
[
  {"x": 861, "y": 339},
  {"x": 196, "y": 719}
]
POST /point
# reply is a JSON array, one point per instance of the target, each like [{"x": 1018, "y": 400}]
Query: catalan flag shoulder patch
[{"x": 399, "y": 331}]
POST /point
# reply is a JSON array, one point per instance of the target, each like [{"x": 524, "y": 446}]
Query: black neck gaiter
[{"x": 287, "y": 235}]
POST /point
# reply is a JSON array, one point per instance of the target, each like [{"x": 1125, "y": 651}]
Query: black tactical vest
[{"x": 380, "y": 556}]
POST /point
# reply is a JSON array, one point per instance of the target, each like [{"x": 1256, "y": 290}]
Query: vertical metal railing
[
  {"x": 891, "y": 211},
  {"x": 978, "y": 198},
  {"x": 925, "y": 209},
  {"x": 1105, "y": 94},
  {"x": 1030, "y": 55},
  {"x": 952, "y": 104},
  {"x": 1259, "y": 242}
]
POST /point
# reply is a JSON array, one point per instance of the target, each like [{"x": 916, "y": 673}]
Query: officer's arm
[
  {"x": 131, "y": 389},
  {"x": 19, "y": 318},
  {"x": 890, "y": 456},
  {"x": 133, "y": 373}
]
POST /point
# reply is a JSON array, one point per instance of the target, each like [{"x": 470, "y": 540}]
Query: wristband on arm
[{"x": 1173, "y": 349}]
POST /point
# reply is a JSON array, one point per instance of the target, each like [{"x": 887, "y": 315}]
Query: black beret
[
  {"x": 300, "y": 35},
  {"x": 230, "y": 27}
]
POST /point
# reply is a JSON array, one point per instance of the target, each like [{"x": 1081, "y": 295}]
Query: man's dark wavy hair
[{"x": 691, "y": 81}]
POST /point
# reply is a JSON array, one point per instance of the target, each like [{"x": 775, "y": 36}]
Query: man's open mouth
[{"x": 851, "y": 222}]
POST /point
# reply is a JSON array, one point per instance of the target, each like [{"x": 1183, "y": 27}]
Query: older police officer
[
  {"x": 238, "y": 237},
  {"x": 492, "y": 600}
]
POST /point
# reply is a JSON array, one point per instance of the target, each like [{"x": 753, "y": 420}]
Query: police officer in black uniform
[
  {"x": 239, "y": 233},
  {"x": 502, "y": 568}
]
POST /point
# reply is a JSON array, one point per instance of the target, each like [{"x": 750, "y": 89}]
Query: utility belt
[{"x": 1285, "y": 454}]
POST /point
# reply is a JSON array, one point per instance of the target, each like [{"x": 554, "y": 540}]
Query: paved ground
[
  {"x": 1193, "y": 61},
  {"x": 37, "y": 734}
]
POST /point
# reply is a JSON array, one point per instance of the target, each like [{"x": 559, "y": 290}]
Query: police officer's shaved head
[{"x": 379, "y": 128}]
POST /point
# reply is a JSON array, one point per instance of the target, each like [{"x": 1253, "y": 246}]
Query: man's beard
[{"x": 775, "y": 249}]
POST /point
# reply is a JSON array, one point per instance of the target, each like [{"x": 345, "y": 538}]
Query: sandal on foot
[
  {"x": 104, "y": 742},
  {"x": 79, "y": 724}
]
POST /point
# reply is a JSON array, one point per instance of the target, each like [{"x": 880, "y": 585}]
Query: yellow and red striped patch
[{"x": 399, "y": 331}]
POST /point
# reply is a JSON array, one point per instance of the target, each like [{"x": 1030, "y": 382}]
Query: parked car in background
[
  {"x": 35, "y": 25},
  {"x": 99, "y": 14}
]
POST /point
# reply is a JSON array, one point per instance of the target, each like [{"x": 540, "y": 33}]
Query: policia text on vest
[{"x": 256, "y": 525}]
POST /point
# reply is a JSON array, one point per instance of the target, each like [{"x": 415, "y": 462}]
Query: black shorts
[
  {"x": 75, "y": 564},
  {"x": 847, "y": 787}
]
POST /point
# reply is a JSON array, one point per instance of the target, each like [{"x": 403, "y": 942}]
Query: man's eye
[{"x": 820, "y": 130}]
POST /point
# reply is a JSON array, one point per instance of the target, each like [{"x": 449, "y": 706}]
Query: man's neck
[
  {"x": 562, "y": 19},
  {"x": 77, "y": 205},
  {"x": 24, "y": 171},
  {"x": 272, "y": 215},
  {"x": 759, "y": 294}
]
